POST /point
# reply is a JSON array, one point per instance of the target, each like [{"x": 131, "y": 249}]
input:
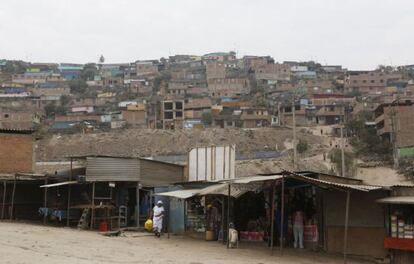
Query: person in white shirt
[{"x": 157, "y": 217}]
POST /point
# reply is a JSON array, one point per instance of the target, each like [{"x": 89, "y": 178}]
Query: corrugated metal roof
[
  {"x": 397, "y": 200},
  {"x": 223, "y": 189},
  {"x": 327, "y": 184},
  {"x": 112, "y": 169}
]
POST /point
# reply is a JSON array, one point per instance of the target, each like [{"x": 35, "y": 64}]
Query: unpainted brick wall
[{"x": 16, "y": 153}]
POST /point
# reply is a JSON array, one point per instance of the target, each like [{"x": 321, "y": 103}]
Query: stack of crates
[{"x": 394, "y": 226}]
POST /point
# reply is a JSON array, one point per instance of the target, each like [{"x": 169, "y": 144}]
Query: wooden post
[
  {"x": 4, "y": 199},
  {"x": 348, "y": 194},
  {"x": 137, "y": 207},
  {"x": 228, "y": 215},
  {"x": 222, "y": 218},
  {"x": 45, "y": 204},
  {"x": 92, "y": 205},
  {"x": 12, "y": 201},
  {"x": 282, "y": 212},
  {"x": 69, "y": 192},
  {"x": 272, "y": 218}
]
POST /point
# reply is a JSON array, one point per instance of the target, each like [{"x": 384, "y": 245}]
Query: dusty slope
[{"x": 146, "y": 142}]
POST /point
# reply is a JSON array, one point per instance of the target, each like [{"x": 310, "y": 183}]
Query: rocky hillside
[{"x": 147, "y": 142}]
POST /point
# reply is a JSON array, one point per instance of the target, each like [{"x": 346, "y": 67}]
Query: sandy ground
[{"x": 27, "y": 243}]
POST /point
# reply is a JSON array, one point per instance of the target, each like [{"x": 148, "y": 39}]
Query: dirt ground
[{"x": 27, "y": 243}]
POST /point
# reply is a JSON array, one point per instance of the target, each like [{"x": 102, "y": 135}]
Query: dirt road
[{"x": 25, "y": 243}]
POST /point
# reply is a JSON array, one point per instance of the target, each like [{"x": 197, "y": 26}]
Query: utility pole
[
  {"x": 342, "y": 151},
  {"x": 343, "y": 169},
  {"x": 394, "y": 134},
  {"x": 295, "y": 157}
]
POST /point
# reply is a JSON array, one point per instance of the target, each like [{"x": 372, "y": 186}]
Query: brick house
[
  {"x": 397, "y": 117},
  {"x": 135, "y": 115},
  {"x": 369, "y": 82},
  {"x": 228, "y": 87}
]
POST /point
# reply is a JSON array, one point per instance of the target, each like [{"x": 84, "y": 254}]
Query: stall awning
[
  {"x": 223, "y": 189},
  {"x": 59, "y": 184},
  {"x": 180, "y": 194},
  {"x": 216, "y": 189},
  {"x": 397, "y": 200},
  {"x": 330, "y": 184},
  {"x": 257, "y": 179}
]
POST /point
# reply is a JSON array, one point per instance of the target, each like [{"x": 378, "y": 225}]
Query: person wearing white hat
[{"x": 157, "y": 216}]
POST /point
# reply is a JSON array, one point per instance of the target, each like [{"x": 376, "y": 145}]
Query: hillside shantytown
[{"x": 223, "y": 142}]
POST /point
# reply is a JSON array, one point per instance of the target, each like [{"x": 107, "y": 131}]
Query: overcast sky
[{"x": 359, "y": 34}]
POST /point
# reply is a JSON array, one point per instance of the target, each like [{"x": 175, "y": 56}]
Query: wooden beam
[
  {"x": 4, "y": 199},
  {"x": 137, "y": 206},
  {"x": 228, "y": 215},
  {"x": 92, "y": 205},
  {"x": 348, "y": 194},
  {"x": 12, "y": 201},
  {"x": 272, "y": 218},
  {"x": 45, "y": 203},
  {"x": 282, "y": 212},
  {"x": 69, "y": 193},
  {"x": 222, "y": 218}
]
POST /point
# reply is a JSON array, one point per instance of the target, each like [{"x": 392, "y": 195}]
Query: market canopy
[
  {"x": 180, "y": 194},
  {"x": 59, "y": 184},
  {"x": 397, "y": 200},
  {"x": 334, "y": 185},
  {"x": 216, "y": 189}
]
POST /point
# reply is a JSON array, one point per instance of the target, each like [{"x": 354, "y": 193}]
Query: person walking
[
  {"x": 157, "y": 217},
  {"x": 298, "y": 220}
]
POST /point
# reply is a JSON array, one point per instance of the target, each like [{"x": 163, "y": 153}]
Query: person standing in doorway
[
  {"x": 298, "y": 220},
  {"x": 157, "y": 217}
]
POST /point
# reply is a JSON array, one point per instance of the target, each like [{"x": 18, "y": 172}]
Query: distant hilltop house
[
  {"x": 395, "y": 123},
  {"x": 369, "y": 82}
]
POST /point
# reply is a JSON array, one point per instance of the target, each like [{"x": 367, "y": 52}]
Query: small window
[
  {"x": 372, "y": 81},
  {"x": 6, "y": 115}
]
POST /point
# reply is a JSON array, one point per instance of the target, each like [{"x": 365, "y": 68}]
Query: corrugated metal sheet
[
  {"x": 112, "y": 169},
  {"x": 222, "y": 189},
  {"x": 397, "y": 200},
  {"x": 327, "y": 184}
]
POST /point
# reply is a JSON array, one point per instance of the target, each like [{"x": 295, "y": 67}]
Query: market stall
[{"x": 400, "y": 225}]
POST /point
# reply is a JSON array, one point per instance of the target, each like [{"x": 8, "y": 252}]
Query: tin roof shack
[
  {"x": 122, "y": 186},
  {"x": 19, "y": 192},
  {"x": 399, "y": 208},
  {"x": 21, "y": 196}
]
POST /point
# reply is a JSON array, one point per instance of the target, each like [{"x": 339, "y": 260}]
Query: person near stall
[
  {"x": 298, "y": 223},
  {"x": 157, "y": 217}
]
